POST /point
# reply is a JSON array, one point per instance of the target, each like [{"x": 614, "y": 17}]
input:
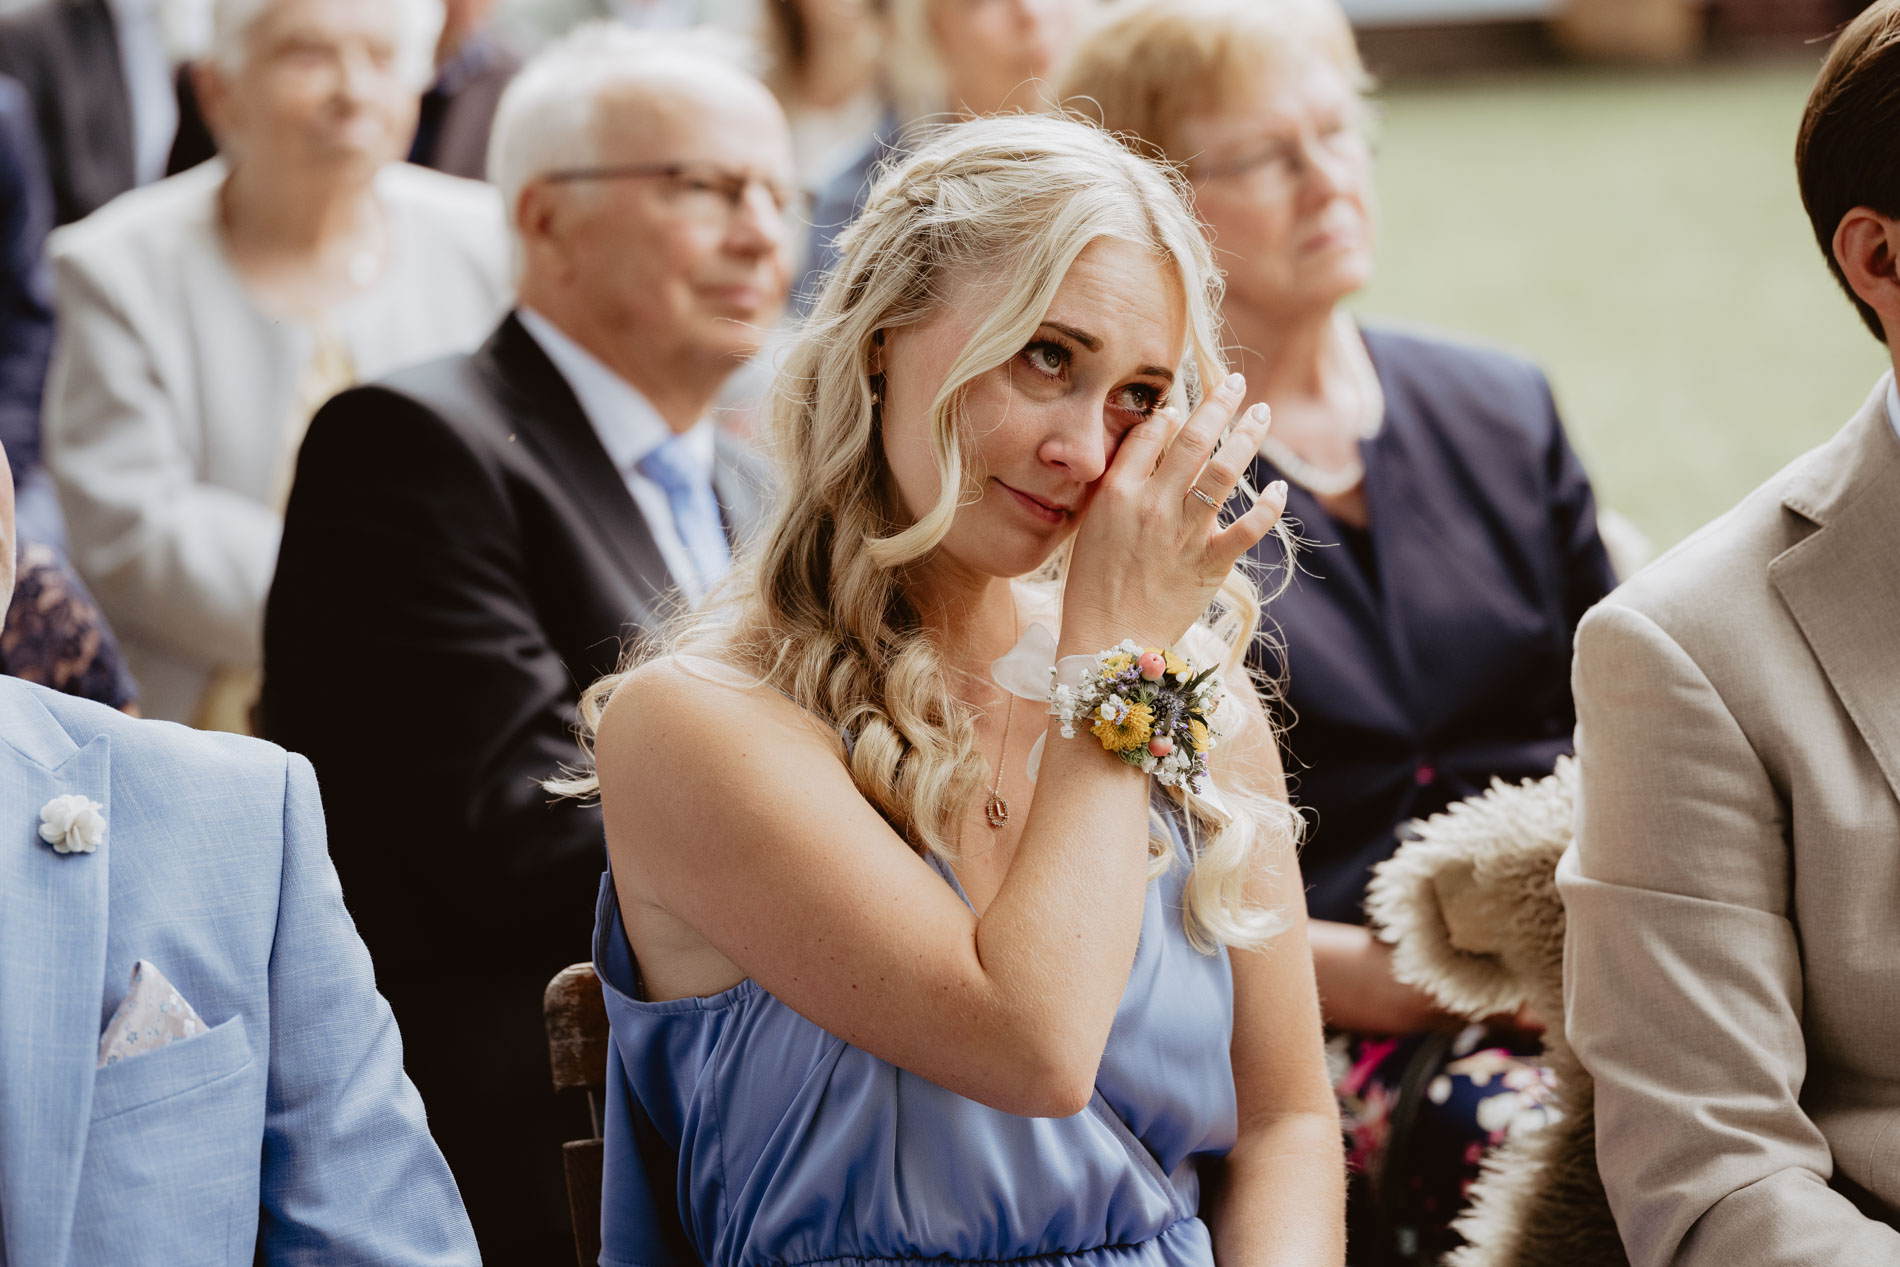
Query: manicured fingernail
[
  {"x": 1260, "y": 412},
  {"x": 1235, "y": 382},
  {"x": 1278, "y": 489}
]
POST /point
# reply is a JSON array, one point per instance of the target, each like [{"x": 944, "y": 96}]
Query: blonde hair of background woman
[
  {"x": 1147, "y": 66},
  {"x": 818, "y": 608},
  {"x": 913, "y": 72}
]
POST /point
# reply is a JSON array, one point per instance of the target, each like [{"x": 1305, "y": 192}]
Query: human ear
[
  {"x": 213, "y": 94},
  {"x": 1867, "y": 247},
  {"x": 543, "y": 223}
]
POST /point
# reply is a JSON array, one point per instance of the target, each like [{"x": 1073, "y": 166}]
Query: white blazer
[{"x": 170, "y": 393}]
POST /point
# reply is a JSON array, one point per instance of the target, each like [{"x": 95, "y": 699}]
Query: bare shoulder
[
  {"x": 689, "y": 738},
  {"x": 702, "y": 706},
  {"x": 729, "y": 814}
]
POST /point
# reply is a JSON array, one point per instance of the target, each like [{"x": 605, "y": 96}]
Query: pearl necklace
[{"x": 1337, "y": 481}]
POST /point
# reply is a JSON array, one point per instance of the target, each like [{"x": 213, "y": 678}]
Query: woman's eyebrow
[
  {"x": 1083, "y": 337},
  {"x": 1094, "y": 344}
]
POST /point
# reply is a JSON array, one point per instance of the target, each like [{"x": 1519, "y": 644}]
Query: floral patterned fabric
[
  {"x": 1420, "y": 1112},
  {"x": 152, "y": 1015},
  {"x": 54, "y": 634}
]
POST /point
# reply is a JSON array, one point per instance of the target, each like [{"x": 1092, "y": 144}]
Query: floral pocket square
[{"x": 153, "y": 1015}]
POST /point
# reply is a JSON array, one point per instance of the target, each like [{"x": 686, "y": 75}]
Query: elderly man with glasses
[{"x": 471, "y": 542}]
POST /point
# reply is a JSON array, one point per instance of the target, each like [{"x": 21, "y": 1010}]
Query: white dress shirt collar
[
  {"x": 1893, "y": 404},
  {"x": 629, "y": 428},
  {"x": 626, "y": 421}
]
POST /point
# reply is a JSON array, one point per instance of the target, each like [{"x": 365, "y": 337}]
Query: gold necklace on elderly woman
[{"x": 996, "y": 809}]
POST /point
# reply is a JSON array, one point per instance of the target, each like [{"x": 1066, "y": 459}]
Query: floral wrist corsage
[{"x": 1146, "y": 705}]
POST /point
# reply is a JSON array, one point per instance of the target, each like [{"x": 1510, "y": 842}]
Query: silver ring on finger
[{"x": 1203, "y": 498}]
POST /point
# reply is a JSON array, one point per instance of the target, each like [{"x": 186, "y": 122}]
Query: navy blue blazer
[
  {"x": 1433, "y": 654},
  {"x": 26, "y": 292}
]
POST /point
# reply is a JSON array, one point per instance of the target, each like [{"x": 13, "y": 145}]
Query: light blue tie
[{"x": 695, "y": 510}]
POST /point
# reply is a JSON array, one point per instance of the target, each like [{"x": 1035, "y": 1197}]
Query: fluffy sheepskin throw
[{"x": 1472, "y": 911}]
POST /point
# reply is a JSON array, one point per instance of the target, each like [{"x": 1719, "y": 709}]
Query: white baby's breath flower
[{"x": 72, "y": 824}]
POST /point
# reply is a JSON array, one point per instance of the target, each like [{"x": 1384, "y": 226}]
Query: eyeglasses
[
  {"x": 704, "y": 192},
  {"x": 1278, "y": 167}
]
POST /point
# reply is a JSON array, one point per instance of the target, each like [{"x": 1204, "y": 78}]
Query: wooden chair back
[{"x": 576, "y": 1016}]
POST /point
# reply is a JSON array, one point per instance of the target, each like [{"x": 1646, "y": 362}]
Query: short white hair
[
  {"x": 419, "y": 30},
  {"x": 548, "y": 119}
]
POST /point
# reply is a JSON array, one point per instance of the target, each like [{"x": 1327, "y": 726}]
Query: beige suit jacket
[{"x": 1732, "y": 968}]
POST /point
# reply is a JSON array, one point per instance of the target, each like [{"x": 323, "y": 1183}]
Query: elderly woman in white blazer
[{"x": 205, "y": 318}]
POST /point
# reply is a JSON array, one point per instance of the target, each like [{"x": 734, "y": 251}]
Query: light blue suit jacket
[{"x": 289, "y": 1127}]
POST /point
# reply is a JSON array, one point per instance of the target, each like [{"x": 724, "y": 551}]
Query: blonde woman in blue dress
[{"x": 896, "y": 971}]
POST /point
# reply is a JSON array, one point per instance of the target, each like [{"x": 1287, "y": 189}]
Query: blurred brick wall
[
  {"x": 1777, "y": 21},
  {"x": 1641, "y": 31}
]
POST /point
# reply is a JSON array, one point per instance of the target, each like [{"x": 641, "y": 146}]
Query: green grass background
[{"x": 1640, "y": 236}]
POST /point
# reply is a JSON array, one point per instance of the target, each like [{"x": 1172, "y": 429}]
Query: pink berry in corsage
[
  {"x": 1152, "y": 666},
  {"x": 1160, "y": 746}
]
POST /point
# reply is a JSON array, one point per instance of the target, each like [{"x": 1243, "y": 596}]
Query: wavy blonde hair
[{"x": 819, "y": 610}]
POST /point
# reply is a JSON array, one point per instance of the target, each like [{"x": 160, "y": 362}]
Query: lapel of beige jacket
[{"x": 1842, "y": 581}]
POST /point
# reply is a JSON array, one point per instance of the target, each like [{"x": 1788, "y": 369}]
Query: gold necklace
[
  {"x": 996, "y": 809},
  {"x": 996, "y": 812}
]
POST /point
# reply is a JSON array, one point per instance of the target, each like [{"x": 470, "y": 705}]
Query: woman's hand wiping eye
[{"x": 1152, "y": 551}]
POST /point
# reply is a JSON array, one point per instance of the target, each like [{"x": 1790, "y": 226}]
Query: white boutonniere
[{"x": 72, "y": 824}]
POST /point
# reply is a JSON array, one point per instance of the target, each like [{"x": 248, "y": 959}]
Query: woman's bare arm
[
  {"x": 725, "y": 809},
  {"x": 1356, "y": 986},
  {"x": 1279, "y": 1197},
  {"x": 763, "y": 846}
]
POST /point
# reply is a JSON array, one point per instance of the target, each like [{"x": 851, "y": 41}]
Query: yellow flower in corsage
[
  {"x": 1121, "y": 726},
  {"x": 1146, "y": 705}
]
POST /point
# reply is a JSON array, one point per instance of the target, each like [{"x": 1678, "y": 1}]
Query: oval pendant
[{"x": 997, "y": 811}]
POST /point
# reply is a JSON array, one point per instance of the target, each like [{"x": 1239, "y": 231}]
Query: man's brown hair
[{"x": 1848, "y": 152}]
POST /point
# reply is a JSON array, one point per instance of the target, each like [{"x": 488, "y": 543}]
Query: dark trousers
[{"x": 477, "y": 1050}]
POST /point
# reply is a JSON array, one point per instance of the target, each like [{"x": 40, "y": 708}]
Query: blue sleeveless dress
[{"x": 738, "y": 1133}]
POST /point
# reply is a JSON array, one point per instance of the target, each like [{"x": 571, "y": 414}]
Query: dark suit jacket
[
  {"x": 460, "y": 558},
  {"x": 1413, "y": 686},
  {"x": 26, "y": 300},
  {"x": 458, "y": 111},
  {"x": 66, "y": 54}
]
